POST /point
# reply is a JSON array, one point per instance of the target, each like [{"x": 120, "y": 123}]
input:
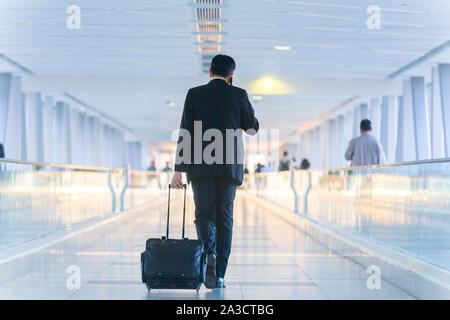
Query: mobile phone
[{"x": 231, "y": 81}]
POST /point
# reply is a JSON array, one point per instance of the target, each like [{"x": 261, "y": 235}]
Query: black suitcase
[{"x": 172, "y": 263}]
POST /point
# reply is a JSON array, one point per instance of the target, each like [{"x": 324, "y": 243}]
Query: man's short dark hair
[
  {"x": 222, "y": 65},
  {"x": 365, "y": 125}
]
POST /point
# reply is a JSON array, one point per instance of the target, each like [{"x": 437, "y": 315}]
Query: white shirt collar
[{"x": 214, "y": 78}]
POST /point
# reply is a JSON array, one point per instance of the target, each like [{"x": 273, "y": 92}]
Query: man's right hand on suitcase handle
[{"x": 177, "y": 180}]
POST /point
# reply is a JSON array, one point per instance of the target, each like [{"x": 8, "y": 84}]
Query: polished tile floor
[{"x": 270, "y": 260}]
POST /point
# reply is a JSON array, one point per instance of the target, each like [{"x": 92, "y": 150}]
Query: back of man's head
[
  {"x": 222, "y": 65},
  {"x": 365, "y": 125}
]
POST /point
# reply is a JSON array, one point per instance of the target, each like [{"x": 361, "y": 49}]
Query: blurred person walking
[
  {"x": 284, "y": 162},
  {"x": 365, "y": 150},
  {"x": 305, "y": 165}
]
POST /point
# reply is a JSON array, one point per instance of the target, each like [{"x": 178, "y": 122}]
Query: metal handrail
[
  {"x": 380, "y": 166},
  {"x": 94, "y": 168},
  {"x": 57, "y": 165},
  {"x": 390, "y": 165},
  {"x": 73, "y": 166}
]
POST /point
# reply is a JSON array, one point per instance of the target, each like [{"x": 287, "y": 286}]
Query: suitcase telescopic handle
[{"x": 184, "y": 212}]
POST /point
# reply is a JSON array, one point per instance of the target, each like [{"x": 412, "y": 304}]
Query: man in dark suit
[{"x": 210, "y": 152}]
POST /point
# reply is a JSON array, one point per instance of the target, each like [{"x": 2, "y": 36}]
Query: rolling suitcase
[{"x": 173, "y": 263}]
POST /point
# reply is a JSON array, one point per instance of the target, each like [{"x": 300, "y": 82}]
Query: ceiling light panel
[
  {"x": 212, "y": 27},
  {"x": 211, "y": 38},
  {"x": 208, "y": 19},
  {"x": 209, "y": 49}
]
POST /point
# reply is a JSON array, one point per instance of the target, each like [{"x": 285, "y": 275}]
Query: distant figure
[
  {"x": 305, "y": 164},
  {"x": 245, "y": 182},
  {"x": 2, "y": 151},
  {"x": 365, "y": 149},
  {"x": 152, "y": 167},
  {"x": 294, "y": 163},
  {"x": 259, "y": 168},
  {"x": 284, "y": 162},
  {"x": 167, "y": 168}
]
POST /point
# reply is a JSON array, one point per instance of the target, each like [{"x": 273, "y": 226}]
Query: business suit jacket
[{"x": 218, "y": 106}]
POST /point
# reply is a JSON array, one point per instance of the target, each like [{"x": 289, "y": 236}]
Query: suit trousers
[{"x": 214, "y": 200}]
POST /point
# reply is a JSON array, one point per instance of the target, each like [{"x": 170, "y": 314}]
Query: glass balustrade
[
  {"x": 405, "y": 206},
  {"x": 39, "y": 199},
  {"x": 146, "y": 186}
]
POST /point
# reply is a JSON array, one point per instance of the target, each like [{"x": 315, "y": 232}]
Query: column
[
  {"x": 61, "y": 130},
  {"x": 348, "y": 131},
  {"x": 444, "y": 86},
  {"x": 317, "y": 149},
  {"x": 89, "y": 141},
  {"x": 356, "y": 121},
  {"x": 420, "y": 115},
  {"x": 14, "y": 118},
  {"x": 23, "y": 143},
  {"x": 399, "y": 146},
  {"x": 101, "y": 148},
  {"x": 407, "y": 141},
  {"x": 106, "y": 152},
  {"x": 304, "y": 146},
  {"x": 47, "y": 129},
  {"x": 323, "y": 145},
  {"x": 113, "y": 156},
  {"x": 111, "y": 147},
  {"x": 5, "y": 91},
  {"x": 137, "y": 155},
  {"x": 144, "y": 155},
  {"x": 129, "y": 154},
  {"x": 375, "y": 116},
  {"x": 388, "y": 128},
  {"x": 309, "y": 151},
  {"x": 332, "y": 144},
  {"x": 75, "y": 133},
  {"x": 429, "y": 103},
  {"x": 363, "y": 112},
  {"x": 34, "y": 126},
  {"x": 81, "y": 139},
  {"x": 120, "y": 149},
  {"x": 341, "y": 142},
  {"x": 436, "y": 117},
  {"x": 94, "y": 137}
]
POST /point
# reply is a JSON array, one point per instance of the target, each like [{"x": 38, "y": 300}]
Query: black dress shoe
[
  {"x": 220, "y": 283},
  {"x": 210, "y": 278}
]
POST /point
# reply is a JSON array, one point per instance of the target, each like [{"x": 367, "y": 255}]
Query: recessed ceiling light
[
  {"x": 170, "y": 103},
  {"x": 282, "y": 48},
  {"x": 257, "y": 98},
  {"x": 268, "y": 85}
]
